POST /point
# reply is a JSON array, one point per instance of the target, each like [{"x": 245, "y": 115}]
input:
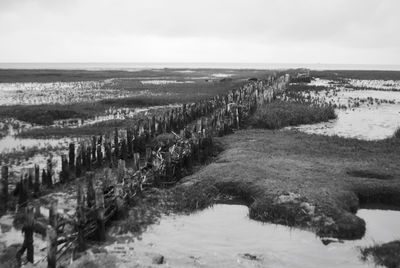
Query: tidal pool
[
  {"x": 370, "y": 114},
  {"x": 366, "y": 123},
  {"x": 224, "y": 236}
]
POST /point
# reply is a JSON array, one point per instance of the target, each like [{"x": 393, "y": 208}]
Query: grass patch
[
  {"x": 88, "y": 130},
  {"x": 194, "y": 197},
  {"x": 280, "y": 114},
  {"x": 386, "y": 254},
  {"x": 46, "y": 114},
  {"x": 301, "y": 180}
]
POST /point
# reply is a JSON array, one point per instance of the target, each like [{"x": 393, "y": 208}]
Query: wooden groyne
[{"x": 113, "y": 167}]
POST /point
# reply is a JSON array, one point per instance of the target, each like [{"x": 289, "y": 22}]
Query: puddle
[
  {"x": 224, "y": 236},
  {"x": 367, "y": 123},
  {"x": 369, "y": 114}
]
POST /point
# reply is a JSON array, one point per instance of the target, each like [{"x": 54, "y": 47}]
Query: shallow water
[
  {"x": 221, "y": 235},
  {"x": 372, "y": 114},
  {"x": 366, "y": 123}
]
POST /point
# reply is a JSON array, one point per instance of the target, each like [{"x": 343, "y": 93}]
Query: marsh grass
[
  {"x": 396, "y": 134},
  {"x": 386, "y": 254},
  {"x": 192, "y": 198},
  {"x": 46, "y": 114},
  {"x": 356, "y": 74},
  {"x": 280, "y": 114},
  {"x": 87, "y": 130}
]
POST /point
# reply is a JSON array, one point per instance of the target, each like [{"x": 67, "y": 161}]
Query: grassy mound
[
  {"x": 386, "y": 254},
  {"x": 281, "y": 114},
  {"x": 301, "y": 180}
]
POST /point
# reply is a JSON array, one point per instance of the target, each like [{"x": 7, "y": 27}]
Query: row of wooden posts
[{"x": 134, "y": 160}]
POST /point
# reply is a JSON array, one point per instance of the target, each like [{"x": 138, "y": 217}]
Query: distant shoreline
[{"x": 132, "y": 66}]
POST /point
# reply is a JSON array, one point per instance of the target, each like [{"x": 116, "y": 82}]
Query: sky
[{"x": 275, "y": 31}]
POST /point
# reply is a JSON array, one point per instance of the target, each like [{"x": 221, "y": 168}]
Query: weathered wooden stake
[
  {"x": 4, "y": 188},
  {"x": 64, "y": 169},
  {"x": 28, "y": 237},
  {"x": 136, "y": 161},
  {"x": 71, "y": 155},
  {"x": 36, "y": 184},
  {"x": 49, "y": 172},
  {"x": 53, "y": 213},
  {"x": 124, "y": 150},
  {"x": 51, "y": 247},
  {"x": 94, "y": 147},
  {"x": 101, "y": 231},
  {"x": 116, "y": 144},
  {"x": 81, "y": 217},
  {"x": 90, "y": 190},
  {"x": 99, "y": 156},
  {"x": 148, "y": 156},
  {"x": 121, "y": 170}
]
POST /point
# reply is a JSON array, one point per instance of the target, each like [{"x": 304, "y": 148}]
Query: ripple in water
[{"x": 221, "y": 235}]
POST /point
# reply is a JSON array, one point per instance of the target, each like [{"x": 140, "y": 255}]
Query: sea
[{"x": 135, "y": 66}]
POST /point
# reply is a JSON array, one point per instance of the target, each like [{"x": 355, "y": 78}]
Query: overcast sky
[{"x": 281, "y": 31}]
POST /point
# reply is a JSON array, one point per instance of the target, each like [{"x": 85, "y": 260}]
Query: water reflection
[{"x": 221, "y": 236}]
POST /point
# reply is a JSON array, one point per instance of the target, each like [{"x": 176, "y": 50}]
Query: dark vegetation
[
  {"x": 87, "y": 130},
  {"x": 280, "y": 114},
  {"x": 46, "y": 114},
  {"x": 387, "y": 254},
  {"x": 50, "y": 75},
  {"x": 356, "y": 74}
]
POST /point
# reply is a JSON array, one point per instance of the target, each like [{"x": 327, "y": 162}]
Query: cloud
[{"x": 194, "y": 30}]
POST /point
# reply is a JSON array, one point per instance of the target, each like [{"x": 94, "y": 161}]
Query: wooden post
[
  {"x": 44, "y": 178},
  {"x": 51, "y": 247},
  {"x": 71, "y": 155},
  {"x": 148, "y": 156},
  {"x": 53, "y": 213},
  {"x": 153, "y": 126},
  {"x": 64, "y": 169},
  {"x": 37, "y": 212},
  {"x": 36, "y": 184},
  {"x": 168, "y": 167},
  {"x": 28, "y": 236},
  {"x": 22, "y": 190},
  {"x": 99, "y": 156},
  {"x": 129, "y": 140},
  {"x": 94, "y": 147},
  {"x": 118, "y": 197},
  {"x": 90, "y": 190},
  {"x": 30, "y": 175},
  {"x": 136, "y": 161},
  {"x": 84, "y": 156},
  {"x": 107, "y": 177},
  {"x": 101, "y": 230},
  {"x": 49, "y": 173},
  {"x": 124, "y": 150},
  {"x": 4, "y": 188},
  {"x": 116, "y": 144},
  {"x": 78, "y": 164},
  {"x": 81, "y": 217},
  {"x": 121, "y": 170},
  {"x": 89, "y": 159}
]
